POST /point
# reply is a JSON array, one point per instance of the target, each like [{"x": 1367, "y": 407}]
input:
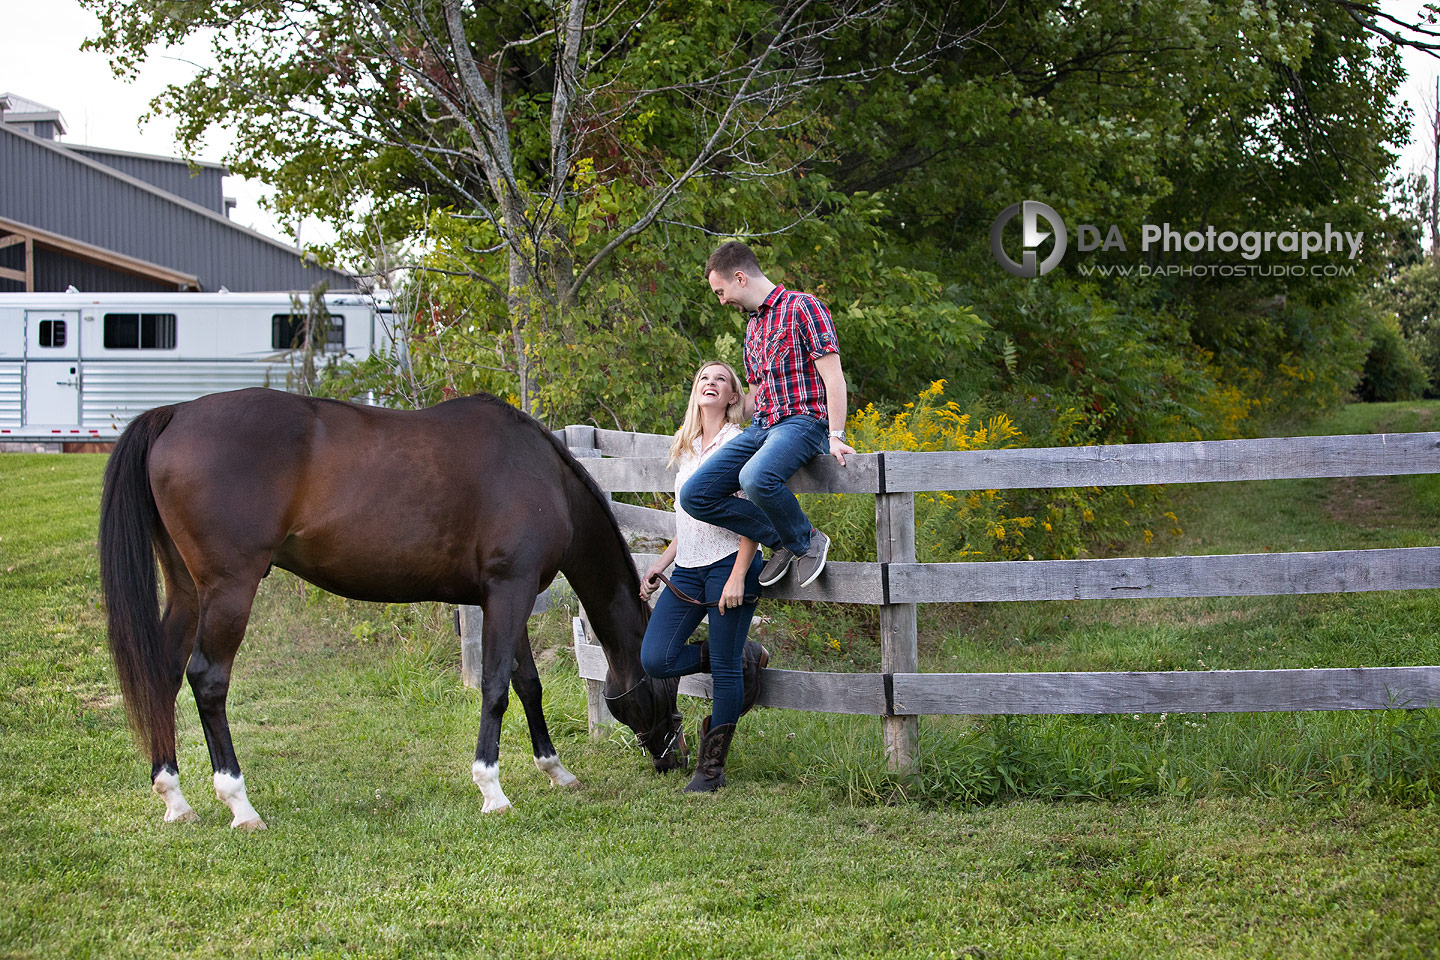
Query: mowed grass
[{"x": 1291, "y": 835}]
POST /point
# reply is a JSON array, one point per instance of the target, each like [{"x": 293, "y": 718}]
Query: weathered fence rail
[{"x": 632, "y": 462}]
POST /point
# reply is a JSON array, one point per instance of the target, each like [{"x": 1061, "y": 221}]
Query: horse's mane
[{"x": 568, "y": 458}]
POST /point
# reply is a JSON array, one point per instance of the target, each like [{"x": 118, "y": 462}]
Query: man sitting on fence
[{"x": 796, "y": 394}]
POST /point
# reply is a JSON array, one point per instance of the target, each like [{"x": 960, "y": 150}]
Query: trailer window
[
  {"x": 140, "y": 331},
  {"x": 287, "y": 332},
  {"x": 52, "y": 333}
]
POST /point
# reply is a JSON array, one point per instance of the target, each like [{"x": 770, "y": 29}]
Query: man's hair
[{"x": 731, "y": 256}]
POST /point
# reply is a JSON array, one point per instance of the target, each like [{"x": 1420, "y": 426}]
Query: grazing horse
[{"x": 467, "y": 502}]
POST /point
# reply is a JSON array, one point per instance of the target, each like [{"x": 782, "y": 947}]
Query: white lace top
[{"x": 698, "y": 544}]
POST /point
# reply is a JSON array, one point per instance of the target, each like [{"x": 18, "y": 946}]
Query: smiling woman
[{"x": 715, "y": 570}]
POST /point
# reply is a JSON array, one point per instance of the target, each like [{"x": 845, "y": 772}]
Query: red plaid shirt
[{"x": 782, "y": 341}]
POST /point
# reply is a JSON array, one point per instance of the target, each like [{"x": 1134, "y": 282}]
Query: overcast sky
[{"x": 40, "y": 59}]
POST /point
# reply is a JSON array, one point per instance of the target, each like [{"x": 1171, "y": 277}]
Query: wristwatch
[{"x": 838, "y": 434}]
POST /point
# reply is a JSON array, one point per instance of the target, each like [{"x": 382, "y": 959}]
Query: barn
[
  {"x": 124, "y": 284},
  {"x": 105, "y": 220}
]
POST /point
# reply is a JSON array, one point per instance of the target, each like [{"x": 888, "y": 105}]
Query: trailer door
[{"x": 52, "y": 368}]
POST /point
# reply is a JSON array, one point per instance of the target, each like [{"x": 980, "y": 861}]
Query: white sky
[{"x": 40, "y": 59}]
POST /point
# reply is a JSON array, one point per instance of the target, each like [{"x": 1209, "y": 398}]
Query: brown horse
[{"x": 468, "y": 502}]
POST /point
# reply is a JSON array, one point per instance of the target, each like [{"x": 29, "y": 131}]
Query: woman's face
[{"x": 715, "y": 388}]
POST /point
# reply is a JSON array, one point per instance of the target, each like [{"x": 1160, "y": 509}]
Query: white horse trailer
[{"x": 77, "y": 367}]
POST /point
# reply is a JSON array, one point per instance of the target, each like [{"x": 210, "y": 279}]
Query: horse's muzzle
[{"x": 648, "y": 708}]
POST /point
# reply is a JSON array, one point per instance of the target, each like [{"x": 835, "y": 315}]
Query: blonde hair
[{"x": 691, "y": 427}]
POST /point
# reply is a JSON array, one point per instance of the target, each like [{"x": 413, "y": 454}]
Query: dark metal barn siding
[
  {"x": 14, "y": 258},
  {"x": 55, "y": 272},
  {"x": 172, "y": 176},
  {"x": 46, "y": 187}
]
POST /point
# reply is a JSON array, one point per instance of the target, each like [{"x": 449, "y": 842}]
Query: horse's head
[{"x": 649, "y": 709}]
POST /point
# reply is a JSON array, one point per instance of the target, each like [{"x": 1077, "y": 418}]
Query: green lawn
[{"x": 1288, "y": 835}]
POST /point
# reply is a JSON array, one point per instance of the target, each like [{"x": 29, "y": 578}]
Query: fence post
[
  {"x": 899, "y": 638},
  {"x": 597, "y": 712},
  {"x": 470, "y": 620},
  {"x": 582, "y": 442}
]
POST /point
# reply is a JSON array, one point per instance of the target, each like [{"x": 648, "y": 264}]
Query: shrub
[
  {"x": 954, "y": 526},
  {"x": 1393, "y": 368}
]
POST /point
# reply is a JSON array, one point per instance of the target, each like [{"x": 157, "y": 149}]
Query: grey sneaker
[
  {"x": 808, "y": 567},
  {"x": 776, "y": 566}
]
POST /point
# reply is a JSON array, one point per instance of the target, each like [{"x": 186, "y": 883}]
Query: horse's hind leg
[
  {"x": 224, "y": 613},
  {"x": 177, "y": 629},
  {"x": 526, "y": 681}
]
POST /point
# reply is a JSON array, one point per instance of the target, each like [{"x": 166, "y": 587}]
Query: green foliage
[
  {"x": 1393, "y": 371},
  {"x": 876, "y": 196},
  {"x": 984, "y": 524},
  {"x": 1414, "y": 296}
]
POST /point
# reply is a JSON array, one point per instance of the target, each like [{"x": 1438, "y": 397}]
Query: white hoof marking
[
  {"x": 487, "y": 778},
  {"x": 559, "y": 776},
  {"x": 231, "y": 790},
  {"x": 167, "y": 785}
]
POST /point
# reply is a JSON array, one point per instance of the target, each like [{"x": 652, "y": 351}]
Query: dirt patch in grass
[
  {"x": 1367, "y": 503},
  {"x": 1405, "y": 419}
]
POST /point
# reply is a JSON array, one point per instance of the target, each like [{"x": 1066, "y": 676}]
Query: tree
[{"x": 562, "y": 132}]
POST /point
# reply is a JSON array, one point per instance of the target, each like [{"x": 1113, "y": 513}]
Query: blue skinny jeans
[
  {"x": 759, "y": 461},
  {"x": 664, "y": 651}
]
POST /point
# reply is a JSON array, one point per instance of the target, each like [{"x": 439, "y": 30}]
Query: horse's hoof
[
  {"x": 256, "y": 824},
  {"x": 502, "y": 808},
  {"x": 555, "y": 770},
  {"x": 188, "y": 816},
  {"x": 572, "y": 784}
]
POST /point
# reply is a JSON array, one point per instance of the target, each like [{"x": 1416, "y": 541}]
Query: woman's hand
[
  {"x": 733, "y": 595},
  {"x": 651, "y": 581}
]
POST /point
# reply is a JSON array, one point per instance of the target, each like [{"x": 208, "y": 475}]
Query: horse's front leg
[
  {"x": 507, "y": 605},
  {"x": 526, "y": 681}
]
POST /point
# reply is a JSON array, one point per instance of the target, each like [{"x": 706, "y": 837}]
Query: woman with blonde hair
[{"x": 715, "y": 570}]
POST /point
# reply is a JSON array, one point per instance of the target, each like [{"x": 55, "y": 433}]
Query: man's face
[{"x": 731, "y": 290}]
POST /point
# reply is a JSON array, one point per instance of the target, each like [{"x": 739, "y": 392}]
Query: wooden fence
[{"x": 625, "y": 462}]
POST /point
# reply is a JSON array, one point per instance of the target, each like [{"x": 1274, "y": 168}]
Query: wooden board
[
  {"x": 861, "y": 474},
  {"x": 644, "y": 520},
  {"x": 1213, "y": 691},
  {"x": 580, "y": 440},
  {"x": 853, "y": 693},
  {"x": 842, "y": 582},
  {"x": 622, "y": 443},
  {"x": 1237, "y": 575},
  {"x": 1365, "y": 455}
]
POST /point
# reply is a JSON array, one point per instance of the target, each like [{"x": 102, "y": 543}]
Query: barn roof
[{"x": 54, "y": 188}]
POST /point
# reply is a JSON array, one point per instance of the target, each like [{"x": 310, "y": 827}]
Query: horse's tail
[{"x": 129, "y": 524}]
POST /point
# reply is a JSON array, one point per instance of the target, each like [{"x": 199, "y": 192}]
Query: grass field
[{"x": 1289, "y": 835}]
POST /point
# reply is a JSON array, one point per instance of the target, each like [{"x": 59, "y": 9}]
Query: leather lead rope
[{"x": 686, "y": 598}]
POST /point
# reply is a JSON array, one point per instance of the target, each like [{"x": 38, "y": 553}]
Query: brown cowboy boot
[
  {"x": 710, "y": 768},
  {"x": 752, "y": 661}
]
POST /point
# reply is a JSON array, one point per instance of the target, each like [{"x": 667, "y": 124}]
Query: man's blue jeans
[
  {"x": 665, "y": 653},
  {"x": 759, "y": 461}
]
